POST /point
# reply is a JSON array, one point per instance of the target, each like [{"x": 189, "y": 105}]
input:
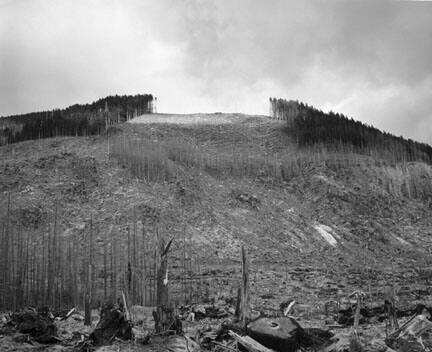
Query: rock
[{"x": 282, "y": 334}]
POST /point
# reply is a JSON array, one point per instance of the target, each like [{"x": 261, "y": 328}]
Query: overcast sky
[{"x": 371, "y": 60}]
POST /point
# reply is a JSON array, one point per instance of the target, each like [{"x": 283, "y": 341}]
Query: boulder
[{"x": 281, "y": 334}]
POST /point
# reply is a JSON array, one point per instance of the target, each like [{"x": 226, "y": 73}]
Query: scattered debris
[
  {"x": 245, "y": 198},
  {"x": 377, "y": 314},
  {"x": 413, "y": 335},
  {"x": 40, "y": 327}
]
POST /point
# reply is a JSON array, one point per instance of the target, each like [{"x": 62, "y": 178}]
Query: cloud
[{"x": 369, "y": 59}]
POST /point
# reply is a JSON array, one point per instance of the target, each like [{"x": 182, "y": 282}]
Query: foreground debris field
[{"x": 213, "y": 327}]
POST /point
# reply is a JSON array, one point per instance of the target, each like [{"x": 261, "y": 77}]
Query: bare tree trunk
[
  {"x": 105, "y": 271},
  {"x": 144, "y": 269},
  {"x": 164, "y": 315},
  {"x": 244, "y": 302},
  {"x": 88, "y": 298},
  {"x": 113, "y": 268}
]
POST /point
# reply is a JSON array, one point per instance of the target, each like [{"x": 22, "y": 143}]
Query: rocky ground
[{"x": 333, "y": 227}]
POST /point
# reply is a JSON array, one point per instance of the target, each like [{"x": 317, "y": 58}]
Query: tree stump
[{"x": 112, "y": 324}]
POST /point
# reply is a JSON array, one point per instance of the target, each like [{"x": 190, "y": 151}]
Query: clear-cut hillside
[{"x": 315, "y": 223}]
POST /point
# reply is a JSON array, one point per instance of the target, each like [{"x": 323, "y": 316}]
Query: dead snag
[
  {"x": 244, "y": 301},
  {"x": 88, "y": 294},
  {"x": 164, "y": 316}
]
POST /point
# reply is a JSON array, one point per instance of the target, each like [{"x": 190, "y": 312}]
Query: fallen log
[{"x": 249, "y": 343}]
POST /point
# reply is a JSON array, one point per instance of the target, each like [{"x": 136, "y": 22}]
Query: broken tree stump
[{"x": 112, "y": 324}]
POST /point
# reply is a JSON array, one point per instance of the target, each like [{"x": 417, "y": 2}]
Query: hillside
[{"x": 316, "y": 223}]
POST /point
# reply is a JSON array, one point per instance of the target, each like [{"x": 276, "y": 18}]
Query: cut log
[
  {"x": 249, "y": 343},
  {"x": 282, "y": 334}
]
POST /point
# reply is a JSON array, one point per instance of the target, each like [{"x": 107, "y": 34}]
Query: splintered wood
[{"x": 249, "y": 343}]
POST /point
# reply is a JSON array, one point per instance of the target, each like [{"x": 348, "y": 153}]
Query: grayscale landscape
[{"x": 238, "y": 204}]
